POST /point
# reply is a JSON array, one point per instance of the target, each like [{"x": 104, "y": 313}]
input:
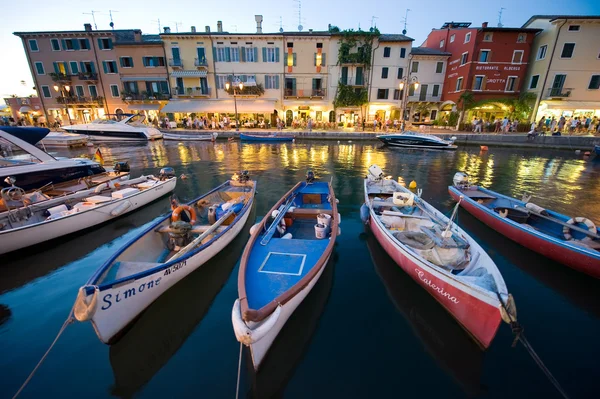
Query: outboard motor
[
  {"x": 310, "y": 176},
  {"x": 166, "y": 173},
  {"x": 243, "y": 176},
  {"x": 180, "y": 235},
  {"x": 375, "y": 173},
  {"x": 122, "y": 167},
  {"x": 461, "y": 180}
]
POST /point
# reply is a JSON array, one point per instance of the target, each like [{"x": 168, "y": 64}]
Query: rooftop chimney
[
  {"x": 484, "y": 25},
  {"x": 258, "y": 19},
  {"x": 167, "y": 29},
  {"x": 207, "y": 29},
  {"x": 193, "y": 29},
  {"x": 219, "y": 26},
  {"x": 87, "y": 27}
]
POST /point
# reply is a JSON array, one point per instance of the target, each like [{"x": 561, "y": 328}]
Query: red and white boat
[{"x": 439, "y": 256}]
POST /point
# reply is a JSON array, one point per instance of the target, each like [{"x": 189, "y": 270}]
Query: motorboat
[
  {"x": 21, "y": 162},
  {"x": 119, "y": 127},
  {"x": 163, "y": 254},
  {"x": 268, "y": 138},
  {"x": 62, "y": 139},
  {"x": 287, "y": 253},
  {"x": 190, "y": 137},
  {"x": 449, "y": 264},
  {"x": 574, "y": 242},
  {"x": 410, "y": 139}
]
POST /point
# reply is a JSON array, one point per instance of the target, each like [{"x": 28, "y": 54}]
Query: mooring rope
[
  {"x": 69, "y": 320},
  {"x": 237, "y": 388}
]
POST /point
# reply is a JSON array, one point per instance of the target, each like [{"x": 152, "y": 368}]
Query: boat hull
[
  {"x": 107, "y": 135},
  {"x": 410, "y": 141},
  {"x": 50, "y": 173},
  {"x": 248, "y": 137},
  {"x": 187, "y": 137},
  {"x": 535, "y": 241},
  {"x": 37, "y": 233}
]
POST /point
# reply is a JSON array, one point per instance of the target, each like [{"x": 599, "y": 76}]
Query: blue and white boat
[
  {"x": 411, "y": 139},
  {"x": 271, "y": 137},
  {"x": 285, "y": 257}
]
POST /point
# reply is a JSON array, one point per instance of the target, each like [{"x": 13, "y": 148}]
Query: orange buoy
[
  {"x": 176, "y": 215},
  {"x": 484, "y": 148}
]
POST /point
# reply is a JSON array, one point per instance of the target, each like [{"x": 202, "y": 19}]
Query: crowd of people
[{"x": 546, "y": 125}]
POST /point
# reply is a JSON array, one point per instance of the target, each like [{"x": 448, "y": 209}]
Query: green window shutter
[
  {"x": 255, "y": 54},
  {"x": 345, "y": 75},
  {"x": 122, "y": 61},
  {"x": 294, "y": 58},
  {"x": 116, "y": 68},
  {"x": 56, "y": 70},
  {"x": 277, "y": 54},
  {"x": 164, "y": 88},
  {"x": 242, "y": 54},
  {"x": 76, "y": 45},
  {"x": 105, "y": 67},
  {"x": 82, "y": 67},
  {"x": 214, "y": 54},
  {"x": 314, "y": 84},
  {"x": 387, "y": 93},
  {"x": 64, "y": 44},
  {"x": 228, "y": 54},
  {"x": 277, "y": 81},
  {"x": 323, "y": 60},
  {"x": 131, "y": 61},
  {"x": 87, "y": 43},
  {"x": 264, "y": 51},
  {"x": 110, "y": 44},
  {"x": 66, "y": 68},
  {"x": 294, "y": 85},
  {"x": 99, "y": 44},
  {"x": 315, "y": 62},
  {"x": 92, "y": 67},
  {"x": 145, "y": 61},
  {"x": 74, "y": 68}
]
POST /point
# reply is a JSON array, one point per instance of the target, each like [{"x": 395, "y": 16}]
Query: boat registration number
[{"x": 175, "y": 267}]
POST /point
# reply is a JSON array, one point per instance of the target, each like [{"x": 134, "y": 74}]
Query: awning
[
  {"x": 25, "y": 108},
  {"x": 221, "y": 106},
  {"x": 314, "y": 105},
  {"x": 144, "y": 107},
  {"x": 572, "y": 105},
  {"x": 189, "y": 74},
  {"x": 143, "y": 78}
]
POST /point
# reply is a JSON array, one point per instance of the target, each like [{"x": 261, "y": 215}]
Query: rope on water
[
  {"x": 69, "y": 320},
  {"x": 237, "y": 388}
]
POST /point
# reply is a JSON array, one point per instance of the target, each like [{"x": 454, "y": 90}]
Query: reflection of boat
[
  {"x": 160, "y": 331},
  {"x": 293, "y": 341},
  {"x": 190, "y": 137},
  {"x": 282, "y": 262},
  {"x": 438, "y": 255},
  {"x": 416, "y": 140},
  {"x": 440, "y": 334},
  {"x": 272, "y": 137},
  {"x": 33, "y": 168},
  {"x": 161, "y": 255},
  {"x": 124, "y": 127},
  {"x": 574, "y": 242}
]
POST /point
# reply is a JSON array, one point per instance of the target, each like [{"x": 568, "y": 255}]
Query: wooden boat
[
  {"x": 574, "y": 242},
  {"x": 161, "y": 255},
  {"x": 438, "y": 255},
  {"x": 271, "y": 137},
  {"x": 597, "y": 149},
  {"x": 190, "y": 137},
  {"x": 39, "y": 222},
  {"x": 282, "y": 262}
]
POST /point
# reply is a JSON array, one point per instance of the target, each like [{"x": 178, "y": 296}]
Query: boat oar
[{"x": 571, "y": 226}]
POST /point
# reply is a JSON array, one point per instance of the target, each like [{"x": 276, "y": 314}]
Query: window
[
  {"x": 511, "y": 83},
  {"x": 290, "y": 45},
  {"x": 452, "y": 37},
  {"x": 411, "y": 90},
  {"x": 93, "y": 91},
  {"x": 234, "y": 53},
  {"x": 152, "y": 62},
  {"x": 70, "y": 44},
  {"x": 488, "y": 37},
  {"x": 415, "y": 67},
  {"x": 54, "y": 44},
  {"x": 484, "y": 55},
  {"x": 517, "y": 56},
  {"x": 459, "y": 84},
  {"x": 594, "y": 82},
  {"x": 386, "y": 52},
  {"x": 567, "y": 51},
  {"x": 359, "y": 76},
  {"x": 382, "y": 94},
  {"x": 397, "y": 94},
  {"x": 468, "y": 37},
  {"x": 271, "y": 82},
  {"x": 132, "y": 87},
  {"x": 344, "y": 77},
  {"x": 84, "y": 44},
  {"x": 250, "y": 54},
  {"x": 61, "y": 68},
  {"x": 384, "y": 73},
  {"x": 574, "y": 28},
  {"x": 39, "y": 68},
  {"x": 33, "y": 46},
  {"x": 87, "y": 67},
  {"x": 127, "y": 62},
  {"x": 478, "y": 83},
  {"x": 319, "y": 45},
  {"x": 436, "y": 91},
  {"x": 541, "y": 54},
  {"x": 79, "y": 91},
  {"x": 270, "y": 54},
  {"x": 114, "y": 91},
  {"x": 320, "y": 59},
  {"x": 46, "y": 92},
  {"x": 534, "y": 81},
  {"x": 403, "y": 52},
  {"x": 433, "y": 115},
  {"x": 74, "y": 67},
  {"x": 400, "y": 73},
  {"x": 521, "y": 38},
  {"x": 442, "y": 42},
  {"x": 105, "y": 44},
  {"x": 463, "y": 59},
  {"x": 221, "y": 80},
  {"x": 110, "y": 66},
  {"x": 439, "y": 67},
  {"x": 221, "y": 57}
]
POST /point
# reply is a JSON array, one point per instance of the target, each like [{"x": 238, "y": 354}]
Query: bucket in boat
[
  {"x": 324, "y": 219},
  {"x": 320, "y": 231}
]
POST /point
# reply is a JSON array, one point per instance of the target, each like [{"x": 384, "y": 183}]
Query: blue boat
[
  {"x": 283, "y": 260},
  {"x": 272, "y": 137},
  {"x": 597, "y": 149}
]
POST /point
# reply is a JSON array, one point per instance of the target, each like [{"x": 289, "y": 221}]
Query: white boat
[
  {"x": 411, "y": 139},
  {"x": 123, "y": 127},
  {"x": 30, "y": 225},
  {"x": 61, "y": 139},
  {"x": 161, "y": 255},
  {"x": 32, "y": 168},
  {"x": 190, "y": 137}
]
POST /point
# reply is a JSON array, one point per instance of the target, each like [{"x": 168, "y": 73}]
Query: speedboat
[
  {"x": 271, "y": 137},
  {"x": 21, "y": 162},
  {"x": 122, "y": 127},
  {"x": 411, "y": 139}
]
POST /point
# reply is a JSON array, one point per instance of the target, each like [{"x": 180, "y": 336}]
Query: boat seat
[
  {"x": 477, "y": 194},
  {"x": 125, "y": 269},
  {"x": 303, "y": 212}
]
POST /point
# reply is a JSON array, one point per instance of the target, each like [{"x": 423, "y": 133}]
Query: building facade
[
  {"x": 564, "y": 72},
  {"x": 25, "y": 109}
]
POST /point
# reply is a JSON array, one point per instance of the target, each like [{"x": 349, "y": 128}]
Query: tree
[
  {"x": 423, "y": 110},
  {"x": 466, "y": 101}
]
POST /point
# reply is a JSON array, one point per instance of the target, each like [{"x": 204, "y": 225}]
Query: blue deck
[{"x": 320, "y": 188}]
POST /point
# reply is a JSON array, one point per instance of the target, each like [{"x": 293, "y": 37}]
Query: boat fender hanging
[
  {"x": 339, "y": 229},
  {"x": 339, "y": 219},
  {"x": 85, "y": 308},
  {"x": 176, "y": 215},
  {"x": 246, "y": 335},
  {"x": 119, "y": 210},
  {"x": 364, "y": 213},
  {"x": 589, "y": 224},
  {"x": 254, "y": 229},
  {"x": 503, "y": 213},
  {"x": 100, "y": 187}
]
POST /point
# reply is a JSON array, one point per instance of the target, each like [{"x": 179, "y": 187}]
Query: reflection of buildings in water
[{"x": 373, "y": 156}]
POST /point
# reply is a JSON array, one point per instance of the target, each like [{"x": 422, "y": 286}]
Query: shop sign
[
  {"x": 486, "y": 67},
  {"x": 303, "y": 108}
]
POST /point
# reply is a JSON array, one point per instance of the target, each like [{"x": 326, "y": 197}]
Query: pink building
[{"x": 28, "y": 108}]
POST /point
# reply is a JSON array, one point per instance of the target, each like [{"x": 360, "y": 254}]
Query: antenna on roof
[
  {"x": 112, "y": 24},
  {"x": 373, "y": 24},
  {"x": 405, "y": 21},
  {"x": 157, "y": 21},
  {"x": 93, "y": 17},
  {"x": 234, "y": 27},
  {"x": 177, "y": 25},
  {"x": 300, "y": 27},
  {"x": 280, "y": 24},
  {"x": 500, "y": 17}
]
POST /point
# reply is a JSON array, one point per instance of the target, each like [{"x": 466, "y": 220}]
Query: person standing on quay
[
  {"x": 552, "y": 125},
  {"x": 505, "y": 125}
]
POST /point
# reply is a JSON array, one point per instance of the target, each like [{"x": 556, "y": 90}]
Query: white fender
[
  {"x": 246, "y": 335},
  {"x": 100, "y": 187},
  {"x": 121, "y": 208},
  {"x": 84, "y": 309},
  {"x": 253, "y": 229},
  {"x": 339, "y": 219}
]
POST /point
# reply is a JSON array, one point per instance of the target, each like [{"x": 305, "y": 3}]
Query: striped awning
[
  {"x": 220, "y": 106},
  {"x": 144, "y": 78},
  {"x": 189, "y": 74},
  {"x": 572, "y": 105}
]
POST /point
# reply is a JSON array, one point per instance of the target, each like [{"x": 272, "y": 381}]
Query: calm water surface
[{"x": 366, "y": 330}]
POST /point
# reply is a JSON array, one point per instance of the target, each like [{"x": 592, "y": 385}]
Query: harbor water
[{"x": 367, "y": 330}]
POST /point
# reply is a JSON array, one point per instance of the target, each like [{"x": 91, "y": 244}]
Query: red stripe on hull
[
  {"x": 573, "y": 259},
  {"x": 479, "y": 318}
]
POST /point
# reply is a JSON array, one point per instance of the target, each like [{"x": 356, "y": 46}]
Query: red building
[{"x": 490, "y": 62}]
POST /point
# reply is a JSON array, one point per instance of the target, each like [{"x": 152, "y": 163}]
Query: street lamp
[
  {"x": 59, "y": 89},
  {"x": 414, "y": 81},
  {"x": 241, "y": 86}
]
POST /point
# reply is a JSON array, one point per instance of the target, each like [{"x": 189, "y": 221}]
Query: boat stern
[{"x": 153, "y": 134}]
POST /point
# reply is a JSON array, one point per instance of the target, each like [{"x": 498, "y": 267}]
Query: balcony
[
  {"x": 300, "y": 93},
  {"x": 353, "y": 82},
  {"x": 559, "y": 92},
  {"x": 202, "y": 62},
  {"x": 88, "y": 76},
  {"x": 144, "y": 96},
  {"x": 428, "y": 98},
  {"x": 60, "y": 77},
  {"x": 190, "y": 92},
  {"x": 176, "y": 63},
  {"x": 78, "y": 100}
]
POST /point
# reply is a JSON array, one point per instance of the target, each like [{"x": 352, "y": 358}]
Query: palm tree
[{"x": 465, "y": 102}]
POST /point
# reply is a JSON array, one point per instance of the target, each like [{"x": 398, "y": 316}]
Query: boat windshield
[
  {"x": 13, "y": 155},
  {"x": 137, "y": 120}
]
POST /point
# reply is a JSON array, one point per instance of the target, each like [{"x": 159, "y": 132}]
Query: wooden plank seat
[
  {"x": 477, "y": 194},
  {"x": 307, "y": 213}
]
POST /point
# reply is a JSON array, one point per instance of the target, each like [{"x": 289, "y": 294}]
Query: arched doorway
[{"x": 289, "y": 117}]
